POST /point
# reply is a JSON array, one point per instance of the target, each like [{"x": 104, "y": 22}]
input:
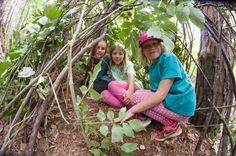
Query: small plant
[
  {"x": 107, "y": 130},
  {"x": 116, "y": 133}
]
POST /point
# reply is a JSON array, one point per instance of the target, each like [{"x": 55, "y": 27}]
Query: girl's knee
[
  {"x": 135, "y": 98},
  {"x": 105, "y": 93},
  {"x": 112, "y": 84}
]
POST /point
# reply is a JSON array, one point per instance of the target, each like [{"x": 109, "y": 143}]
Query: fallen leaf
[
  {"x": 53, "y": 126},
  {"x": 191, "y": 136},
  {"x": 153, "y": 135},
  {"x": 39, "y": 136},
  {"x": 142, "y": 147},
  {"x": 56, "y": 135}
]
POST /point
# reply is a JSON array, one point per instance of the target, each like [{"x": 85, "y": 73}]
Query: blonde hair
[
  {"x": 118, "y": 46},
  {"x": 144, "y": 58}
]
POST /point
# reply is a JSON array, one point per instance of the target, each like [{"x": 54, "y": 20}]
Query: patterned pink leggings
[
  {"x": 114, "y": 95},
  {"x": 158, "y": 112}
]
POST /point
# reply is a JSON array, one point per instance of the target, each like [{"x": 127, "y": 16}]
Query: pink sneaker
[{"x": 168, "y": 132}]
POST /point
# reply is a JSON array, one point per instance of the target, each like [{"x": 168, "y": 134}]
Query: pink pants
[
  {"x": 158, "y": 112},
  {"x": 114, "y": 95}
]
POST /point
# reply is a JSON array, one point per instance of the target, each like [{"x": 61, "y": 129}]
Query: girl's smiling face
[
  {"x": 100, "y": 49},
  {"x": 152, "y": 50},
  {"x": 117, "y": 56}
]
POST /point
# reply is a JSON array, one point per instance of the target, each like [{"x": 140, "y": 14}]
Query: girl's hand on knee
[{"x": 127, "y": 96}]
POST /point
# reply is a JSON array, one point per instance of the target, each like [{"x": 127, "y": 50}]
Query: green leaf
[
  {"x": 136, "y": 125},
  {"x": 168, "y": 26},
  {"x": 103, "y": 130},
  {"x": 170, "y": 10},
  {"x": 42, "y": 92},
  {"x": 88, "y": 127},
  {"x": 182, "y": 13},
  {"x": 122, "y": 112},
  {"x": 146, "y": 2},
  {"x": 126, "y": 25},
  {"x": 170, "y": 35},
  {"x": 129, "y": 147},
  {"x": 127, "y": 154},
  {"x": 94, "y": 94},
  {"x": 110, "y": 115},
  {"x": 9, "y": 112},
  {"x": 101, "y": 115},
  {"x": 163, "y": 17},
  {"x": 85, "y": 109},
  {"x": 78, "y": 101},
  {"x": 117, "y": 133},
  {"x": 106, "y": 143},
  {"x": 26, "y": 72},
  {"x": 134, "y": 45},
  {"x": 127, "y": 129},
  {"x": 32, "y": 28},
  {"x": 197, "y": 17},
  {"x": 154, "y": 31},
  {"x": 4, "y": 66},
  {"x": 124, "y": 33},
  {"x": 14, "y": 54},
  {"x": 94, "y": 143},
  {"x": 52, "y": 12},
  {"x": 97, "y": 152},
  {"x": 96, "y": 70},
  {"x": 93, "y": 131},
  {"x": 83, "y": 89},
  {"x": 43, "y": 20},
  {"x": 168, "y": 43},
  {"x": 41, "y": 80}
]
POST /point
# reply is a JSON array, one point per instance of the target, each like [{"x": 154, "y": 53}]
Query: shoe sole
[
  {"x": 147, "y": 122},
  {"x": 171, "y": 135}
]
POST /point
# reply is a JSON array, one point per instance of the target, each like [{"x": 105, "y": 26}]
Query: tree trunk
[{"x": 214, "y": 66}]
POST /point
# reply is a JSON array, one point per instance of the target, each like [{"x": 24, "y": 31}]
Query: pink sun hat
[{"x": 144, "y": 37}]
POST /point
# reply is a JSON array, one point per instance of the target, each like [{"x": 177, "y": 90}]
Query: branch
[
  {"x": 208, "y": 82},
  {"x": 206, "y": 108},
  {"x": 55, "y": 95},
  {"x": 71, "y": 84}
]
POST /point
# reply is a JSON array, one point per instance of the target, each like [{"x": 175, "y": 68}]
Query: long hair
[
  {"x": 144, "y": 58},
  {"x": 92, "y": 60},
  {"x": 118, "y": 46}
]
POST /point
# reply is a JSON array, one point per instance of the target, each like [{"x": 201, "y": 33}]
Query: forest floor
[{"x": 57, "y": 138}]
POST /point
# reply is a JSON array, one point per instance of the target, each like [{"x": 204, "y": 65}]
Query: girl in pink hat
[{"x": 171, "y": 98}]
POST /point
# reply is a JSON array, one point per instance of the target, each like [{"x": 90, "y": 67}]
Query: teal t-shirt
[
  {"x": 119, "y": 75},
  {"x": 181, "y": 97}
]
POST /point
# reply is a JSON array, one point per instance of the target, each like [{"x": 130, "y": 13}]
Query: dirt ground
[
  {"x": 66, "y": 139},
  {"x": 57, "y": 138}
]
